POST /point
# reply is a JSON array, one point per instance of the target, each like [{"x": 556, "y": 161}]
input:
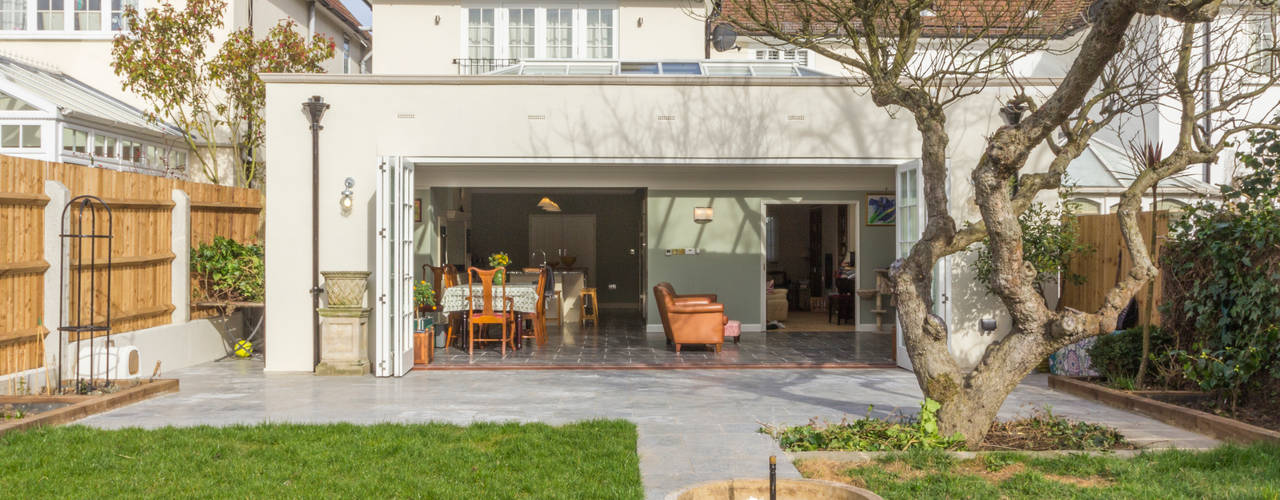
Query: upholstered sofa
[
  {"x": 690, "y": 319},
  {"x": 776, "y": 305}
]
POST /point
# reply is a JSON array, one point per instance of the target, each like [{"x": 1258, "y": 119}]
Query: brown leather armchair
[{"x": 690, "y": 319}]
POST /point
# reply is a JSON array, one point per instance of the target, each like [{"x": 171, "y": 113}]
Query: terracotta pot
[{"x": 346, "y": 288}]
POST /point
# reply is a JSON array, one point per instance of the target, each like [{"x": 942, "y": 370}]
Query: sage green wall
[{"x": 730, "y": 264}]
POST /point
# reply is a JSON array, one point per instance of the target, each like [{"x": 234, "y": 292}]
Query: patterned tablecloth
[{"x": 455, "y": 297}]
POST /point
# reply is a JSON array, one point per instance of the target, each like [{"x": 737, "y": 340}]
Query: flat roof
[{"x": 676, "y": 68}]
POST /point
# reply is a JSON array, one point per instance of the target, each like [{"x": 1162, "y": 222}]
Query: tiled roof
[
  {"x": 346, "y": 16},
  {"x": 1053, "y": 18}
]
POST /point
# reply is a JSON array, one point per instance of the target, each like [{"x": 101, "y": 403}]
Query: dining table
[{"x": 524, "y": 299}]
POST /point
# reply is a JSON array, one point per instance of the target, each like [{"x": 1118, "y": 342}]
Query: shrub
[
  {"x": 226, "y": 270},
  {"x": 1116, "y": 356},
  {"x": 1224, "y": 264},
  {"x": 870, "y": 434}
]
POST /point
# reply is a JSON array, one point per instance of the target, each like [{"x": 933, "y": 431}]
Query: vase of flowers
[{"x": 499, "y": 261}]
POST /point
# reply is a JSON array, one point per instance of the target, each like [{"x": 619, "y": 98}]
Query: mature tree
[
  {"x": 923, "y": 56},
  {"x": 216, "y": 99}
]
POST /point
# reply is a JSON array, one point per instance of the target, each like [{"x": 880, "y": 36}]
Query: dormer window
[{"x": 562, "y": 31}]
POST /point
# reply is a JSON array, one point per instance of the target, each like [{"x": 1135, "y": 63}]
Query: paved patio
[
  {"x": 620, "y": 341},
  {"x": 694, "y": 425}
]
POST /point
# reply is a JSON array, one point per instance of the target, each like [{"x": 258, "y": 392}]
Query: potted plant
[
  {"x": 424, "y": 296},
  {"x": 499, "y": 261}
]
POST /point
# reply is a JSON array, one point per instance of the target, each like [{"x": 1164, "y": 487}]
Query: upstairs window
[
  {"x": 88, "y": 15},
  {"x": 13, "y": 15},
  {"x": 521, "y": 41},
  {"x": 559, "y": 33},
  {"x": 599, "y": 33},
  {"x": 346, "y": 55},
  {"x": 50, "y": 15},
  {"x": 799, "y": 56},
  {"x": 117, "y": 13},
  {"x": 1261, "y": 30},
  {"x": 566, "y": 31}
]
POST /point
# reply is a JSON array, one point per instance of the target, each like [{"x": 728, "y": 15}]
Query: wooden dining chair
[
  {"x": 486, "y": 314},
  {"x": 539, "y": 318},
  {"x": 449, "y": 278}
]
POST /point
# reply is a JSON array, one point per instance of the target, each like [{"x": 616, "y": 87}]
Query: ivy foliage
[
  {"x": 1050, "y": 240},
  {"x": 1224, "y": 260},
  {"x": 228, "y": 271}
]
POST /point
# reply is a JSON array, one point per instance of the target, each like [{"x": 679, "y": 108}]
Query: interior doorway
[{"x": 811, "y": 266}]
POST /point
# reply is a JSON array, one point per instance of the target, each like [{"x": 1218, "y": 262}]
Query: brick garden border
[
  {"x": 1208, "y": 424},
  {"x": 83, "y": 406}
]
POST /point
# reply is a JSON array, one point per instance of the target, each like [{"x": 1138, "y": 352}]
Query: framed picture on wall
[
  {"x": 417, "y": 210},
  {"x": 882, "y": 209}
]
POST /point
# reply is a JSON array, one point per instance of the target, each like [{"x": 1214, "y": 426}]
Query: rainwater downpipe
[
  {"x": 315, "y": 108},
  {"x": 1208, "y": 97},
  {"x": 311, "y": 19}
]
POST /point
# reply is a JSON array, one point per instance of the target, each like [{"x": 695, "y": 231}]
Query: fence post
[
  {"x": 54, "y": 280},
  {"x": 181, "y": 268}
]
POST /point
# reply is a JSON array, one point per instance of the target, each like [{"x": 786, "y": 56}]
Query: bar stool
[{"x": 594, "y": 316}]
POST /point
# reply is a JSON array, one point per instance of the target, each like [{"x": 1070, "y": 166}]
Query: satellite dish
[{"x": 723, "y": 37}]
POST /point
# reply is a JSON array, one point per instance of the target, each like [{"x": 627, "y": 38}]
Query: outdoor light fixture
[
  {"x": 703, "y": 215},
  {"x": 988, "y": 325},
  {"x": 345, "y": 202},
  {"x": 1012, "y": 112},
  {"x": 548, "y": 205},
  {"x": 639, "y": 22}
]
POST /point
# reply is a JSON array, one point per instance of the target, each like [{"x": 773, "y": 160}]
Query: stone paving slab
[{"x": 693, "y": 425}]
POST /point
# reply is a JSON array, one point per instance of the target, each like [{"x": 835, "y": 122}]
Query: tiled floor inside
[{"x": 620, "y": 341}]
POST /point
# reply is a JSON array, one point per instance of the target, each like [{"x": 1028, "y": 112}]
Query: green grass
[
  {"x": 593, "y": 459},
  {"x": 1226, "y": 472}
]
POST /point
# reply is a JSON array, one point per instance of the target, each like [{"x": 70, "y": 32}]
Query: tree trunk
[{"x": 1151, "y": 301}]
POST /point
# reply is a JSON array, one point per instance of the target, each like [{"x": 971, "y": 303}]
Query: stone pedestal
[{"x": 344, "y": 341}]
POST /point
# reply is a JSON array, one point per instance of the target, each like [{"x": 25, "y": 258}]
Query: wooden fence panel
[
  {"x": 141, "y": 248},
  {"x": 1109, "y": 260},
  {"x": 22, "y": 264}
]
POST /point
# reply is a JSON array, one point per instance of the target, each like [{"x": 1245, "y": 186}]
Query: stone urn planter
[
  {"x": 759, "y": 488},
  {"x": 344, "y": 324},
  {"x": 346, "y": 288}
]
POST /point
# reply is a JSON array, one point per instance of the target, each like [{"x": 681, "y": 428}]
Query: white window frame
[
  {"x": 1267, "y": 21},
  {"x": 20, "y": 148},
  {"x": 501, "y": 28},
  {"x": 808, "y": 55},
  {"x": 68, "y": 30}
]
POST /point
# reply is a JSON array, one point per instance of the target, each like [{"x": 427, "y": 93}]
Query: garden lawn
[
  {"x": 592, "y": 459},
  {"x": 1226, "y": 472}
]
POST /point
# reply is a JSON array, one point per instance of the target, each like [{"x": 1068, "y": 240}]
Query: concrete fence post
[
  {"x": 181, "y": 269},
  {"x": 55, "y": 281}
]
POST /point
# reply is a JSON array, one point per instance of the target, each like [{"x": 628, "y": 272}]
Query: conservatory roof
[
  {"x": 71, "y": 97},
  {"x": 689, "y": 68},
  {"x": 1106, "y": 165}
]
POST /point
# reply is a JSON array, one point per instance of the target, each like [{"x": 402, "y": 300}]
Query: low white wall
[{"x": 174, "y": 346}]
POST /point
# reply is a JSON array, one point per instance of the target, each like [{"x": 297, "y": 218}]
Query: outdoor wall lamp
[
  {"x": 345, "y": 202},
  {"x": 1012, "y": 112},
  {"x": 988, "y": 325},
  {"x": 639, "y": 22},
  {"x": 703, "y": 215}
]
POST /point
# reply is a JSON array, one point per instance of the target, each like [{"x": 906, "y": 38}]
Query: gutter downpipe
[
  {"x": 311, "y": 18},
  {"x": 315, "y": 108},
  {"x": 1208, "y": 97}
]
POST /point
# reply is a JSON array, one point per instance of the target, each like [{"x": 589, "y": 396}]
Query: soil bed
[
  {"x": 1192, "y": 411},
  {"x": 25, "y": 412}
]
